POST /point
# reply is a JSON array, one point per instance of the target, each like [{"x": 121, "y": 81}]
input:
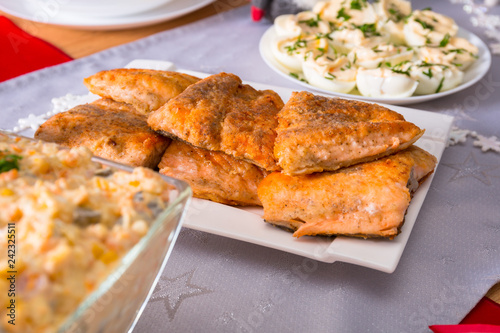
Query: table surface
[{"x": 81, "y": 43}]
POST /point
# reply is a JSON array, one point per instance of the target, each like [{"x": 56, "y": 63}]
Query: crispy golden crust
[
  {"x": 108, "y": 103},
  {"x": 111, "y": 133},
  {"x": 367, "y": 200},
  {"x": 317, "y": 133},
  {"x": 213, "y": 175},
  {"x": 220, "y": 113},
  {"x": 145, "y": 89}
]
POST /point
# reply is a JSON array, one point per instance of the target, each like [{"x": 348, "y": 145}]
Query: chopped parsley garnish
[
  {"x": 445, "y": 40},
  {"x": 323, "y": 35},
  {"x": 296, "y": 76},
  {"x": 368, "y": 29},
  {"x": 9, "y": 162},
  {"x": 355, "y": 58},
  {"x": 396, "y": 15},
  {"x": 400, "y": 71},
  {"x": 399, "y": 68},
  {"x": 427, "y": 8},
  {"x": 428, "y": 73},
  {"x": 457, "y": 51},
  {"x": 428, "y": 64},
  {"x": 322, "y": 52},
  {"x": 357, "y": 4},
  {"x": 299, "y": 43},
  {"x": 424, "y": 25},
  {"x": 440, "y": 85},
  {"x": 312, "y": 22},
  {"x": 330, "y": 76},
  {"x": 342, "y": 14}
]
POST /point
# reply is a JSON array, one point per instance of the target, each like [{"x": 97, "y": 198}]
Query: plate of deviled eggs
[{"x": 382, "y": 52}]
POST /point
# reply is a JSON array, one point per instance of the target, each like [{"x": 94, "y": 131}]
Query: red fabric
[
  {"x": 257, "y": 14},
  {"x": 470, "y": 328},
  {"x": 23, "y": 53},
  {"x": 485, "y": 312},
  {"x": 484, "y": 317}
]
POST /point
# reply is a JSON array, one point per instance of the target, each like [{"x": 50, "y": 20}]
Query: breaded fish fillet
[
  {"x": 111, "y": 133},
  {"x": 317, "y": 133},
  {"x": 220, "y": 113},
  {"x": 145, "y": 89},
  {"x": 366, "y": 200},
  {"x": 213, "y": 175}
]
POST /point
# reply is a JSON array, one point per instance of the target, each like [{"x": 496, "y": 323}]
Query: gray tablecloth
[{"x": 216, "y": 284}]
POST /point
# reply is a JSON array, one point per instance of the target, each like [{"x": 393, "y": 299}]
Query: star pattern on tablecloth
[
  {"x": 458, "y": 135},
  {"x": 172, "y": 292},
  {"x": 495, "y": 48},
  {"x": 487, "y": 143},
  {"x": 471, "y": 168}
]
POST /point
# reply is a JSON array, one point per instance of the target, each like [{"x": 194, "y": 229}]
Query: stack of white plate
[{"x": 101, "y": 14}]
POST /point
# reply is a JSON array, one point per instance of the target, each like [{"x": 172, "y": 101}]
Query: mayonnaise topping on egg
[
  {"x": 289, "y": 51},
  {"x": 394, "y": 10},
  {"x": 391, "y": 18},
  {"x": 304, "y": 23},
  {"x": 338, "y": 75},
  {"x": 387, "y": 54},
  {"x": 383, "y": 82},
  {"x": 456, "y": 51},
  {"x": 348, "y": 37},
  {"x": 356, "y": 12},
  {"x": 427, "y": 27}
]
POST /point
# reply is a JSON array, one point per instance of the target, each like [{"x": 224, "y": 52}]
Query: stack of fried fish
[{"x": 317, "y": 165}]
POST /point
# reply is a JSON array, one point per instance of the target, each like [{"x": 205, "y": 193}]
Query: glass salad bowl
[{"x": 111, "y": 267}]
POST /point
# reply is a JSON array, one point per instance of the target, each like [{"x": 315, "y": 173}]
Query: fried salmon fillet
[
  {"x": 220, "y": 113},
  {"x": 317, "y": 133},
  {"x": 365, "y": 200},
  {"x": 212, "y": 175},
  {"x": 145, "y": 89},
  {"x": 108, "y": 103},
  {"x": 109, "y": 132}
]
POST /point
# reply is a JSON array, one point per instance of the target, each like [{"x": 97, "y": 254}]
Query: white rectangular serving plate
[{"x": 246, "y": 224}]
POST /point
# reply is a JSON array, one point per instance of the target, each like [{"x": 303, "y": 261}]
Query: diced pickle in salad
[{"x": 379, "y": 49}]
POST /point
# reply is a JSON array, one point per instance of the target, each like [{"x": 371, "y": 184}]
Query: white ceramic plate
[
  {"x": 246, "y": 224},
  {"x": 472, "y": 75},
  {"x": 52, "y": 14}
]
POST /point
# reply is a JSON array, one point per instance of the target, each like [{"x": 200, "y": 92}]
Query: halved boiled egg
[
  {"x": 391, "y": 18},
  {"x": 292, "y": 52},
  {"x": 337, "y": 75},
  {"x": 357, "y": 12},
  {"x": 386, "y": 54},
  {"x": 435, "y": 78},
  {"x": 383, "y": 82},
  {"x": 304, "y": 23},
  {"x": 348, "y": 37},
  {"x": 457, "y": 51},
  {"x": 425, "y": 27}
]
